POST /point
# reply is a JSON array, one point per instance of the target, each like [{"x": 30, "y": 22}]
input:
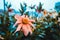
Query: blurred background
[{"x": 46, "y": 13}]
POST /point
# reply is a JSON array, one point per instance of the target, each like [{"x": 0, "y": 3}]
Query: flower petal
[
  {"x": 23, "y": 16},
  {"x": 1, "y": 38},
  {"x": 25, "y": 30},
  {"x": 18, "y": 28},
  {"x": 17, "y": 16},
  {"x": 15, "y": 24},
  {"x": 32, "y": 25},
  {"x": 29, "y": 28},
  {"x": 31, "y": 20}
]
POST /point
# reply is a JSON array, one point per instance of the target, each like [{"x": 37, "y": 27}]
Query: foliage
[
  {"x": 57, "y": 6},
  {"x": 23, "y": 8}
]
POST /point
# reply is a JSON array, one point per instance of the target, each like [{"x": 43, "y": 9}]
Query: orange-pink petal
[
  {"x": 31, "y": 20},
  {"x": 18, "y": 28},
  {"x": 29, "y": 28},
  {"x": 15, "y": 24},
  {"x": 32, "y": 25},
  {"x": 23, "y": 16},
  {"x": 25, "y": 30},
  {"x": 17, "y": 16}
]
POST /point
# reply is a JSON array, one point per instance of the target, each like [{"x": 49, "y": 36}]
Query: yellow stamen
[{"x": 25, "y": 21}]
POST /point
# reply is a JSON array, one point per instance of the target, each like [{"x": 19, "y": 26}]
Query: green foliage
[
  {"x": 8, "y": 5},
  {"x": 23, "y": 8},
  {"x": 40, "y": 6}
]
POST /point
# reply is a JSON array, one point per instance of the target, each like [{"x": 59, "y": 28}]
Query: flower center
[{"x": 25, "y": 21}]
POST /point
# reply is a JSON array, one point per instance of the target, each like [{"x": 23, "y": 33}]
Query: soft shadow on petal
[
  {"x": 29, "y": 28},
  {"x": 25, "y": 30}
]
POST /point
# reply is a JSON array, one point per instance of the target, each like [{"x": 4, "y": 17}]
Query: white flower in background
[
  {"x": 58, "y": 19},
  {"x": 1, "y": 37},
  {"x": 54, "y": 14}
]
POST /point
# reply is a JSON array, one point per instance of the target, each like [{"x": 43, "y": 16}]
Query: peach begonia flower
[{"x": 24, "y": 24}]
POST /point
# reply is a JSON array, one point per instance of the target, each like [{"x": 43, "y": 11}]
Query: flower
[
  {"x": 45, "y": 12},
  {"x": 1, "y": 37},
  {"x": 24, "y": 24},
  {"x": 10, "y": 10}
]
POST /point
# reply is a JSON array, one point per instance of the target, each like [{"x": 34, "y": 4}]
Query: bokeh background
[{"x": 46, "y": 14}]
